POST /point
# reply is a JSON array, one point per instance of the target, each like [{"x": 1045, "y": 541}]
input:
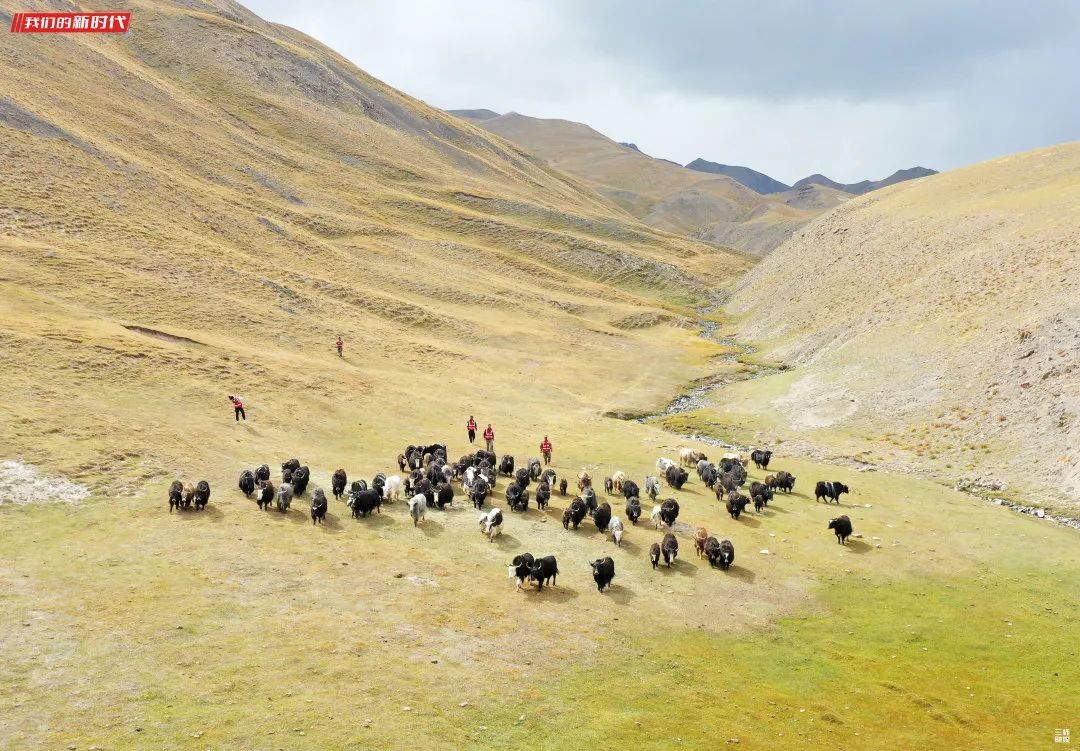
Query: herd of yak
[{"x": 429, "y": 483}]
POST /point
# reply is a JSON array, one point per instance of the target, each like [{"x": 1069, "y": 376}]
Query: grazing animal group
[
  {"x": 540, "y": 571},
  {"x": 718, "y": 553},
  {"x": 666, "y": 513},
  {"x": 430, "y": 478},
  {"x": 294, "y": 482},
  {"x": 574, "y": 513},
  {"x": 183, "y": 496},
  {"x": 784, "y": 481}
]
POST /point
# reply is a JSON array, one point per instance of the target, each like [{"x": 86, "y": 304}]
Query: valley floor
[{"x": 948, "y": 623}]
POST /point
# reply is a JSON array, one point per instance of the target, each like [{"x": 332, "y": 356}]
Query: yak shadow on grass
[
  {"x": 630, "y": 547},
  {"x": 739, "y": 572},
  {"x": 549, "y": 593},
  {"x": 858, "y": 546},
  {"x": 331, "y": 523},
  {"x": 555, "y": 514},
  {"x": 748, "y": 520},
  {"x": 210, "y": 513},
  {"x": 430, "y": 527},
  {"x": 678, "y": 566},
  {"x": 294, "y": 515},
  {"x": 779, "y": 509},
  {"x": 619, "y": 593},
  {"x": 375, "y": 519},
  {"x": 506, "y": 541},
  {"x": 830, "y": 504}
]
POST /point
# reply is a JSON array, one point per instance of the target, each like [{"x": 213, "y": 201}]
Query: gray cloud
[
  {"x": 851, "y": 50},
  {"x": 850, "y": 88}
]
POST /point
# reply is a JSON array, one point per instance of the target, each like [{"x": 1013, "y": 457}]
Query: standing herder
[
  {"x": 489, "y": 436},
  {"x": 339, "y": 344},
  {"x": 471, "y": 427},
  {"x": 545, "y": 450},
  {"x": 238, "y": 407}
]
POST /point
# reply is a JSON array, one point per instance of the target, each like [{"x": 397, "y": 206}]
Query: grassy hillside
[
  {"x": 716, "y": 208},
  {"x": 250, "y": 194},
  {"x": 937, "y": 320}
]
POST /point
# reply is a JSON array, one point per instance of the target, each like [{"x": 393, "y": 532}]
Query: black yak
[
  {"x": 338, "y": 483},
  {"x": 318, "y": 506},
  {"x": 842, "y": 526},
  {"x": 603, "y": 571},
  {"x": 247, "y": 483},
  {"x": 830, "y": 491}
]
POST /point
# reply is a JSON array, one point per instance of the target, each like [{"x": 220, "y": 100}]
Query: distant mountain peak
[
  {"x": 865, "y": 186},
  {"x": 629, "y": 145},
  {"x": 754, "y": 180}
]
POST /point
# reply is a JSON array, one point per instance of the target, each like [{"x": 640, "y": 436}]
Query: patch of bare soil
[
  {"x": 174, "y": 338},
  {"x": 22, "y": 484}
]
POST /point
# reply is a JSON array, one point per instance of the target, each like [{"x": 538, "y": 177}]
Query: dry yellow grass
[{"x": 232, "y": 182}]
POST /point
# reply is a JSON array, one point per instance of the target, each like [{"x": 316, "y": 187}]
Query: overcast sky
[{"x": 853, "y": 89}]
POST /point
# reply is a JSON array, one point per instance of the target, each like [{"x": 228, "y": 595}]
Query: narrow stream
[{"x": 695, "y": 395}]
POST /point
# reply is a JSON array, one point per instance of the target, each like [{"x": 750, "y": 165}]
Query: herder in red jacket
[
  {"x": 489, "y": 436},
  {"x": 238, "y": 407},
  {"x": 545, "y": 449}
]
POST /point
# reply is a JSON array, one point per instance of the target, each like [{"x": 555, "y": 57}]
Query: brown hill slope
[
  {"x": 663, "y": 194},
  {"x": 940, "y": 318},
  {"x": 251, "y": 194}
]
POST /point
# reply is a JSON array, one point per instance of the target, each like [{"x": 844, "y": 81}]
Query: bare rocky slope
[{"x": 942, "y": 318}]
